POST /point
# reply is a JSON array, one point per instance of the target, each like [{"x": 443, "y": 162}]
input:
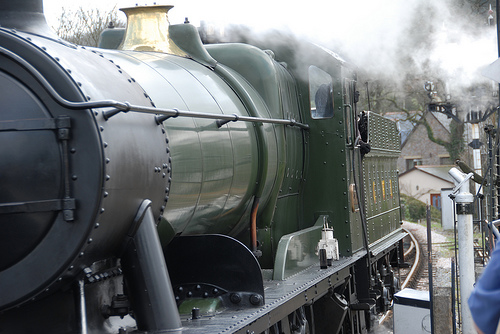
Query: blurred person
[{"x": 484, "y": 301}]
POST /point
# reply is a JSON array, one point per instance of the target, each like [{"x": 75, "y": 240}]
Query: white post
[{"x": 464, "y": 209}]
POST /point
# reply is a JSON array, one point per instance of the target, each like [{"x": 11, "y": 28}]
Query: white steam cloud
[
  {"x": 383, "y": 37},
  {"x": 378, "y": 36}
]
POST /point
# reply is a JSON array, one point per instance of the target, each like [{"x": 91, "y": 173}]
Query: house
[
  {"x": 417, "y": 149},
  {"x": 425, "y": 183}
]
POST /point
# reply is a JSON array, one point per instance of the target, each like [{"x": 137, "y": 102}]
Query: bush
[{"x": 415, "y": 210}]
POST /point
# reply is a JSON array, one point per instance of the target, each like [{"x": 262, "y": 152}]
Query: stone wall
[{"x": 418, "y": 145}]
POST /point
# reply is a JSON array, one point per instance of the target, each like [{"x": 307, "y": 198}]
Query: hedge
[{"x": 415, "y": 210}]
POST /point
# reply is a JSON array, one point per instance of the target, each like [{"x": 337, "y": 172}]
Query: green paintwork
[
  {"x": 111, "y": 38},
  {"x": 273, "y": 84},
  {"x": 207, "y": 306},
  {"x": 381, "y": 178},
  {"x": 299, "y": 176},
  {"x": 214, "y": 170},
  {"x": 328, "y": 172},
  {"x": 256, "y": 66},
  {"x": 186, "y": 36}
]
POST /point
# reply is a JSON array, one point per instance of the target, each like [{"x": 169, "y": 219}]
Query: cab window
[{"x": 320, "y": 93}]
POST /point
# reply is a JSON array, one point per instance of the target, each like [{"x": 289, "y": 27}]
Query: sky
[
  {"x": 309, "y": 15},
  {"x": 371, "y": 33}
]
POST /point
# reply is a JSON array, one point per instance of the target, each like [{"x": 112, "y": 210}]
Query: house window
[{"x": 412, "y": 162}]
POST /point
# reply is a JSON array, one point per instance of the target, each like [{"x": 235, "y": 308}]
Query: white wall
[{"x": 421, "y": 185}]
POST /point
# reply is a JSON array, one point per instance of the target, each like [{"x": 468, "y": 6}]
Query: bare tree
[{"x": 84, "y": 26}]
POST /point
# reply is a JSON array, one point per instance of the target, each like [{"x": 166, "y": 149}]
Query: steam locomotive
[{"x": 158, "y": 185}]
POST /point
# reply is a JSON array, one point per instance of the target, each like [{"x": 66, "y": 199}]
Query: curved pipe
[
  {"x": 253, "y": 225},
  {"x": 125, "y": 106}
]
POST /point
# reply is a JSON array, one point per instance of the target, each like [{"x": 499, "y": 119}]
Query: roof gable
[
  {"x": 435, "y": 122},
  {"x": 440, "y": 172}
]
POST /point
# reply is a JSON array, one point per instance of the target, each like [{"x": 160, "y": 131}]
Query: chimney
[
  {"x": 147, "y": 30},
  {"x": 25, "y": 15}
]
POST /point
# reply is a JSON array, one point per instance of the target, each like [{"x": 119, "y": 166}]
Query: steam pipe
[
  {"x": 464, "y": 209},
  {"x": 125, "y": 106},
  {"x": 253, "y": 227},
  {"x": 147, "y": 278},
  {"x": 81, "y": 306}
]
